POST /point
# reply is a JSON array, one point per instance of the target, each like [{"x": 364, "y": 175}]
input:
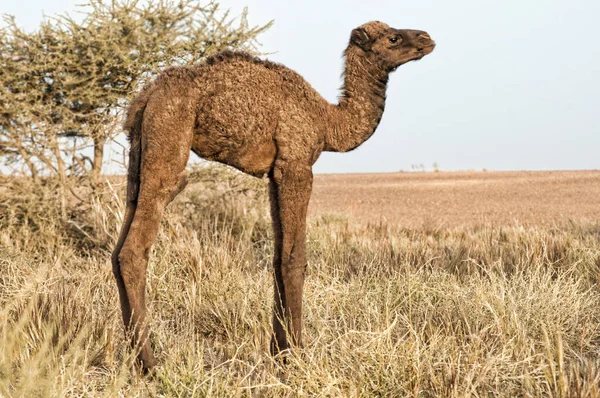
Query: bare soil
[{"x": 449, "y": 199}]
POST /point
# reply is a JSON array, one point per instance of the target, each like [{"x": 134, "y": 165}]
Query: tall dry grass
[{"x": 479, "y": 312}]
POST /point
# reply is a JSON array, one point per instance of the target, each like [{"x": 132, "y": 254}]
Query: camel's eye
[{"x": 395, "y": 39}]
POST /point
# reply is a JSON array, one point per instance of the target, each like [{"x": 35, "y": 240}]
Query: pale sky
[{"x": 511, "y": 85}]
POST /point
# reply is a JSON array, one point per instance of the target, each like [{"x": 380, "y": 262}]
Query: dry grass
[{"x": 455, "y": 312}]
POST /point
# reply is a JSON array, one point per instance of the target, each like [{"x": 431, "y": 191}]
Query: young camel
[{"x": 263, "y": 119}]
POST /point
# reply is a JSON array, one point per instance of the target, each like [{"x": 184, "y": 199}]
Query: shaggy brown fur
[{"x": 263, "y": 119}]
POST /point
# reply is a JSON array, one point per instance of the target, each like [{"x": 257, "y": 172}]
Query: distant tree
[
  {"x": 29, "y": 119},
  {"x": 64, "y": 86}
]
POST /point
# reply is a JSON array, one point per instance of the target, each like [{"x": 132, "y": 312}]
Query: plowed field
[{"x": 447, "y": 199}]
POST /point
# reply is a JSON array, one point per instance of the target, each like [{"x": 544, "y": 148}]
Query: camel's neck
[{"x": 361, "y": 104}]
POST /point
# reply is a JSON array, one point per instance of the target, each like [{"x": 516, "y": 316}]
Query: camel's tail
[{"x": 133, "y": 125}]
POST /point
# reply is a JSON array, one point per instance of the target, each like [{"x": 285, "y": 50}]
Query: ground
[{"x": 451, "y": 199}]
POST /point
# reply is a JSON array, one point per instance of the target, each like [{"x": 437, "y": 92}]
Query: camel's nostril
[{"x": 425, "y": 36}]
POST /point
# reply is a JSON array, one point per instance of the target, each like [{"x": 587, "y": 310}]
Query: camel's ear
[{"x": 360, "y": 37}]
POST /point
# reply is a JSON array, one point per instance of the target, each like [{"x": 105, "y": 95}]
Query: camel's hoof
[
  {"x": 279, "y": 352},
  {"x": 145, "y": 367}
]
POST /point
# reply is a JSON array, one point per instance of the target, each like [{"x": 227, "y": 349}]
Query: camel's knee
[
  {"x": 293, "y": 257},
  {"x": 293, "y": 272},
  {"x": 131, "y": 265}
]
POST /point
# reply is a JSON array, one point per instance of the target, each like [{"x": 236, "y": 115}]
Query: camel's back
[
  {"x": 236, "y": 83},
  {"x": 240, "y": 103}
]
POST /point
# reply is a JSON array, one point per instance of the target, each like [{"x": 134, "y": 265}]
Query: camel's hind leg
[
  {"x": 162, "y": 177},
  {"x": 133, "y": 187},
  {"x": 127, "y": 219}
]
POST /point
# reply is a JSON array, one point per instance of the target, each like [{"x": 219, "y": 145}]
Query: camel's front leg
[{"x": 290, "y": 188}]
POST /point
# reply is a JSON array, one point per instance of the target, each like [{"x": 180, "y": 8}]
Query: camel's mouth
[
  {"x": 426, "y": 49},
  {"x": 423, "y": 51}
]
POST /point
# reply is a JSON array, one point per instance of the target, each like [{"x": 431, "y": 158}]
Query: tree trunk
[
  {"x": 32, "y": 169},
  {"x": 62, "y": 175},
  {"x": 60, "y": 165},
  {"x": 29, "y": 163},
  {"x": 98, "y": 156}
]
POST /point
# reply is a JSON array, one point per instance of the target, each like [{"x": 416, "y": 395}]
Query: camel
[{"x": 261, "y": 118}]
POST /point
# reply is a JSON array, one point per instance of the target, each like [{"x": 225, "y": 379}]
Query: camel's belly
[{"x": 254, "y": 158}]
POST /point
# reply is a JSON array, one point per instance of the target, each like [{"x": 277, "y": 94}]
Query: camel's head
[{"x": 391, "y": 47}]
